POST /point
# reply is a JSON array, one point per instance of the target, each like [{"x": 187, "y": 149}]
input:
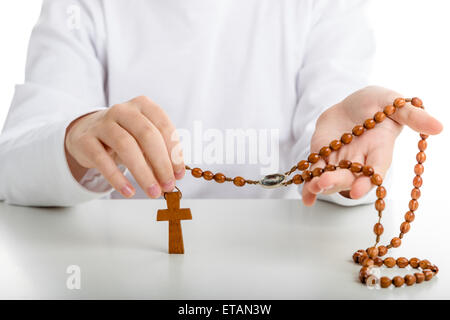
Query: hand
[
  {"x": 374, "y": 147},
  {"x": 137, "y": 134}
]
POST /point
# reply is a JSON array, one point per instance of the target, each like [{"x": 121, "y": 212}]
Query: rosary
[{"x": 368, "y": 258}]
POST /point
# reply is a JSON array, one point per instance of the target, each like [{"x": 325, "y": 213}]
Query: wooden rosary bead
[
  {"x": 424, "y": 136},
  {"x": 307, "y": 175},
  {"x": 398, "y": 281},
  {"x": 415, "y": 193},
  {"x": 358, "y": 130},
  {"x": 335, "y": 145},
  {"x": 402, "y": 262},
  {"x": 380, "y": 205},
  {"x": 197, "y": 172},
  {"x": 372, "y": 252},
  {"x": 303, "y": 165},
  {"x": 422, "y": 145},
  {"x": 385, "y": 282},
  {"x": 410, "y": 216},
  {"x": 368, "y": 171},
  {"x": 413, "y": 205},
  {"x": 435, "y": 269},
  {"x": 239, "y": 181},
  {"x": 369, "y": 124},
  {"x": 399, "y": 103},
  {"x": 382, "y": 250},
  {"x": 420, "y": 277},
  {"x": 364, "y": 274},
  {"x": 418, "y": 169},
  {"x": 376, "y": 179},
  {"x": 356, "y": 256},
  {"x": 421, "y": 157},
  {"x": 378, "y": 261},
  {"x": 428, "y": 274},
  {"x": 378, "y": 229},
  {"x": 410, "y": 279},
  {"x": 414, "y": 262},
  {"x": 405, "y": 227},
  {"x": 396, "y": 242},
  {"x": 219, "y": 178},
  {"x": 389, "y": 110},
  {"x": 390, "y": 262},
  {"x": 381, "y": 192},
  {"x": 416, "y": 102},
  {"x": 356, "y": 167},
  {"x": 346, "y": 138},
  {"x": 345, "y": 164},
  {"x": 208, "y": 175},
  {"x": 313, "y": 158},
  {"x": 330, "y": 167},
  {"x": 317, "y": 172},
  {"x": 379, "y": 117},
  {"x": 325, "y": 152},
  {"x": 367, "y": 262},
  {"x": 297, "y": 179},
  {"x": 424, "y": 264},
  {"x": 417, "y": 181}
]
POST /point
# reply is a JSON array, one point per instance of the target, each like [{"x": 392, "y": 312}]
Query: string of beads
[{"x": 371, "y": 257}]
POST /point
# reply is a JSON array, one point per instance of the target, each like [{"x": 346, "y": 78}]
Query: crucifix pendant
[{"x": 174, "y": 215}]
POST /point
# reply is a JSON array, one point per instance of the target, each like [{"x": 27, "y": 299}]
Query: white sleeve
[
  {"x": 65, "y": 78},
  {"x": 337, "y": 61}
]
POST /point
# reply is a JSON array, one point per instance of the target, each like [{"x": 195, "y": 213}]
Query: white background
[{"x": 413, "y": 57}]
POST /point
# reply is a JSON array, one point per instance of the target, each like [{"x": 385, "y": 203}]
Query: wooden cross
[{"x": 174, "y": 214}]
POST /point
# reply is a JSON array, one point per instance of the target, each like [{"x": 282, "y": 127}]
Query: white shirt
[{"x": 228, "y": 64}]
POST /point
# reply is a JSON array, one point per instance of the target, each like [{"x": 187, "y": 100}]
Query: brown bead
[
  {"x": 422, "y": 145},
  {"x": 368, "y": 171},
  {"x": 382, "y": 250},
  {"x": 356, "y": 256},
  {"x": 345, "y": 164},
  {"x": 325, "y": 152},
  {"x": 376, "y": 179},
  {"x": 356, "y": 167},
  {"x": 428, "y": 274},
  {"x": 378, "y": 229},
  {"x": 369, "y": 124},
  {"x": 219, "y": 178},
  {"x": 416, "y": 102},
  {"x": 402, "y": 262},
  {"x": 335, "y": 145},
  {"x": 197, "y": 172},
  {"x": 410, "y": 216},
  {"x": 418, "y": 169},
  {"x": 330, "y": 167},
  {"x": 307, "y": 175},
  {"x": 208, "y": 175},
  {"x": 414, "y": 262},
  {"x": 424, "y": 136},
  {"x": 297, "y": 179},
  {"x": 385, "y": 282},
  {"x": 435, "y": 269},
  {"x": 417, "y": 181},
  {"x": 424, "y": 264},
  {"x": 389, "y": 110},
  {"x": 313, "y": 158},
  {"x": 420, "y": 277},
  {"x": 410, "y": 279},
  {"x": 317, "y": 172},
  {"x": 421, "y": 157},
  {"x": 346, "y": 138},
  {"x": 239, "y": 181},
  {"x": 367, "y": 262},
  {"x": 381, "y": 192},
  {"x": 398, "y": 281},
  {"x": 380, "y": 205},
  {"x": 405, "y": 227},
  {"x": 358, "y": 130},
  {"x": 390, "y": 262},
  {"x": 396, "y": 242},
  {"x": 379, "y": 117},
  {"x": 415, "y": 193},
  {"x": 399, "y": 103},
  {"x": 378, "y": 261},
  {"x": 372, "y": 252},
  {"x": 364, "y": 274},
  {"x": 303, "y": 165},
  {"x": 413, "y": 205}
]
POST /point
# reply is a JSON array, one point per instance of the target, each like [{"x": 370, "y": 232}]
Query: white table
[{"x": 235, "y": 249}]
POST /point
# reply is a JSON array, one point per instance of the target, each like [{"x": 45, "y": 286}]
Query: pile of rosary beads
[{"x": 372, "y": 256}]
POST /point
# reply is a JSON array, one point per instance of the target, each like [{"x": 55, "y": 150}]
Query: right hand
[{"x": 137, "y": 134}]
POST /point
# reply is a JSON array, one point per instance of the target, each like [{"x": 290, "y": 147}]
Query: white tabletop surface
[{"x": 235, "y": 249}]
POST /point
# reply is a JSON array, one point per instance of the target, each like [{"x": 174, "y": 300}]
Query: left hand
[{"x": 375, "y": 147}]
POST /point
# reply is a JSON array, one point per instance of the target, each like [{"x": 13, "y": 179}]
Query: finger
[
  {"x": 103, "y": 162},
  {"x": 336, "y": 181},
  {"x": 418, "y": 120},
  {"x": 162, "y": 122},
  {"x": 129, "y": 152}
]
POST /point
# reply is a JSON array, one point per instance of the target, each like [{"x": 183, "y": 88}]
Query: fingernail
[
  {"x": 179, "y": 174},
  {"x": 168, "y": 186},
  {"x": 329, "y": 187},
  {"x": 128, "y": 191},
  {"x": 154, "y": 191}
]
